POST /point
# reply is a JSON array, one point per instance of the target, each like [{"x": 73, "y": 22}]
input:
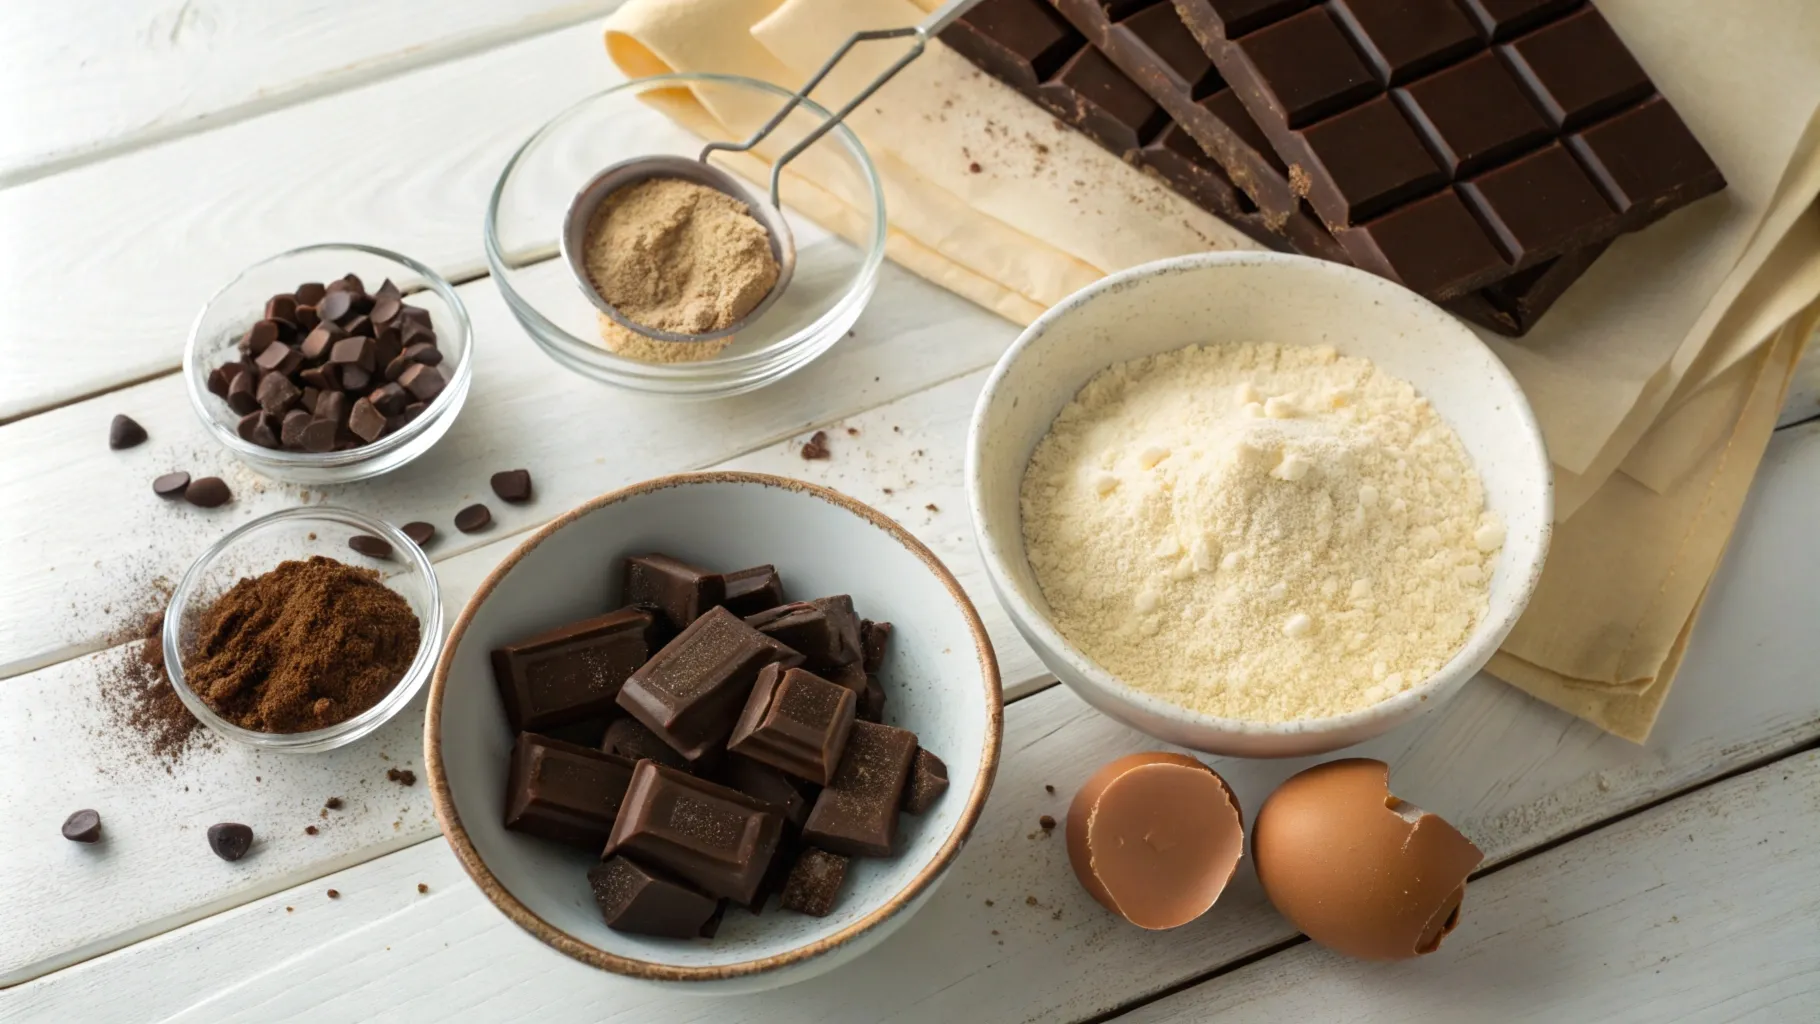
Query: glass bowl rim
[
  {"x": 398, "y": 439},
  {"x": 423, "y": 663},
  {"x": 548, "y": 334}
]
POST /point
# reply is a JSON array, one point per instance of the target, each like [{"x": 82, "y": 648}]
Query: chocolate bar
[
  {"x": 824, "y": 631},
  {"x": 718, "y": 839},
  {"x": 635, "y": 898},
  {"x": 573, "y": 672},
  {"x": 1442, "y": 157},
  {"x": 796, "y": 721},
  {"x": 563, "y": 791},
  {"x": 677, "y": 590},
  {"x": 750, "y": 591},
  {"x": 856, "y": 814},
  {"x": 691, "y": 692}
]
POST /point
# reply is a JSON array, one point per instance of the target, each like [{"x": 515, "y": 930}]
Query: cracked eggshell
[
  {"x": 1155, "y": 837},
  {"x": 1356, "y": 869}
]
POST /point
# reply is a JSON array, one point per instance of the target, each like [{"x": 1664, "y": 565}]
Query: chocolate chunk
[
  {"x": 279, "y": 358},
  {"x": 716, "y": 838},
  {"x": 928, "y": 781},
  {"x": 310, "y": 293},
  {"x": 124, "y": 432},
  {"x": 474, "y": 518},
  {"x": 332, "y": 407},
  {"x": 423, "y": 352},
  {"x": 335, "y": 306},
  {"x": 370, "y": 546},
  {"x": 679, "y": 590},
  {"x": 816, "y": 447},
  {"x": 756, "y": 779},
  {"x": 291, "y": 428},
  {"x": 276, "y": 394},
  {"x": 572, "y": 672},
  {"x": 395, "y": 367},
  {"x": 691, "y": 692},
  {"x": 230, "y": 840},
  {"x": 423, "y": 382},
  {"x": 322, "y": 378},
  {"x": 750, "y": 591},
  {"x": 563, "y": 791},
  {"x": 853, "y": 677},
  {"x": 631, "y": 739},
  {"x": 872, "y": 702},
  {"x": 82, "y": 827},
  {"x": 241, "y": 395},
  {"x": 856, "y": 814},
  {"x": 419, "y": 532},
  {"x": 281, "y": 307},
  {"x": 414, "y": 410},
  {"x": 639, "y": 900},
  {"x": 258, "y": 427},
  {"x": 208, "y": 492},
  {"x": 258, "y": 338},
  {"x": 171, "y": 485},
  {"x": 366, "y": 422},
  {"x": 796, "y": 721},
  {"x": 814, "y": 882},
  {"x": 320, "y": 434},
  {"x": 320, "y": 341},
  {"x": 387, "y": 303},
  {"x": 389, "y": 399},
  {"x": 512, "y": 485},
  {"x": 875, "y": 640},
  {"x": 353, "y": 351},
  {"x": 306, "y": 319},
  {"x": 825, "y": 631},
  {"x": 350, "y": 282},
  {"x": 353, "y": 379},
  {"x": 218, "y": 379}
]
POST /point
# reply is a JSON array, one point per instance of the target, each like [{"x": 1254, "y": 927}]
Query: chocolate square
[
  {"x": 1107, "y": 105},
  {"x": 1306, "y": 66},
  {"x": 633, "y": 740},
  {"x": 796, "y": 721},
  {"x": 824, "y": 631},
  {"x": 563, "y": 791},
  {"x": 1022, "y": 43},
  {"x": 814, "y": 883},
  {"x": 679, "y": 590},
  {"x": 1371, "y": 159},
  {"x": 1434, "y": 246},
  {"x": 856, "y": 814},
  {"x": 718, "y": 839},
  {"x": 1241, "y": 16},
  {"x": 1540, "y": 204},
  {"x": 1501, "y": 19},
  {"x": 572, "y": 672},
  {"x": 1473, "y": 114},
  {"x": 928, "y": 781},
  {"x": 1578, "y": 69},
  {"x": 1161, "y": 29},
  {"x": 1643, "y": 157},
  {"x": 750, "y": 591},
  {"x": 1405, "y": 38},
  {"x": 691, "y": 692},
  {"x": 643, "y": 901}
]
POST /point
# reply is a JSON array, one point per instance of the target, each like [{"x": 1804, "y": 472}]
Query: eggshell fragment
[
  {"x": 1356, "y": 869},
  {"x": 1155, "y": 837}
]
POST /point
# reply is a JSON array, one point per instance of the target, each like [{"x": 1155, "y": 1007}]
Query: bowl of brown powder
[
  {"x": 303, "y": 630},
  {"x": 690, "y": 263}
]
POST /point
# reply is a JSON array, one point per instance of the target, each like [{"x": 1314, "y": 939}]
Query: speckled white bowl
[
  {"x": 940, "y": 676},
  {"x": 1263, "y": 298}
]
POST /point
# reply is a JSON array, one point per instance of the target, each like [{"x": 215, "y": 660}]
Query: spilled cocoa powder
[
  {"x": 141, "y": 702},
  {"x": 305, "y": 646}
]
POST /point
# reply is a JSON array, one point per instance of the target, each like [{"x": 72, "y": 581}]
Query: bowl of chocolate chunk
[
  {"x": 303, "y": 630},
  {"x": 723, "y": 730},
  {"x": 1258, "y": 504},
  {"x": 330, "y": 363}
]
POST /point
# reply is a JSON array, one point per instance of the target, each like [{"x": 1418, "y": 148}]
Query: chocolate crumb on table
[
  {"x": 422, "y": 888},
  {"x": 402, "y": 776},
  {"x": 816, "y": 447},
  {"x": 309, "y": 830},
  {"x": 334, "y": 894},
  {"x": 1047, "y": 788},
  {"x": 1047, "y": 822},
  {"x": 332, "y": 803}
]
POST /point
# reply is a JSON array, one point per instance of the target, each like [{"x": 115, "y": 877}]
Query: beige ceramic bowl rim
[
  {"x": 1486, "y": 636},
  {"x": 594, "y": 956}
]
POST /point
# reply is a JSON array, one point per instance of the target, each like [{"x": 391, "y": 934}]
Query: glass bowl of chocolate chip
[
  {"x": 303, "y": 630},
  {"x": 330, "y": 363}
]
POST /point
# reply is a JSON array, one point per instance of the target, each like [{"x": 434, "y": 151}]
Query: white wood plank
[
  {"x": 1511, "y": 772},
  {"x": 1703, "y": 909},
  {"x": 130, "y": 248},
  {"x": 76, "y": 498},
  {"x": 86, "y": 78}
]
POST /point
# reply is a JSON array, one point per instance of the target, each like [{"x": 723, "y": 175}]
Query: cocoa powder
[
  {"x": 140, "y": 700},
  {"x": 307, "y": 645}
]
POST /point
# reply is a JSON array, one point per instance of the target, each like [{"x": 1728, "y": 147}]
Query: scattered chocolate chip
[
  {"x": 931, "y": 507},
  {"x": 124, "y": 432},
  {"x": 370, "y": 546},
  {"x": 474, "y": 518},
  {"x": 1047, "y": 788},
  {"x": 208, "y": 492},
  {"x": 332, "y": 803},
  {"x": 171, "y": 485},
  {"x": 422, "y": 887},
  {"x": 513, "y": 486},
  {"x": 230, "y": 840},
  {"x": 84, "y": 826},
  {"x": 817, "y": 446},
  {"x": 309, "y": 830},
  {"x": 1029, "y": 901},
  {"x": 334, "y": 894},
  {"x": 1047, "y": 822},
  {"x": 402, "y": 776},
  {"x": 974, "y": 167},
  {"x": 420, "y": 533}
]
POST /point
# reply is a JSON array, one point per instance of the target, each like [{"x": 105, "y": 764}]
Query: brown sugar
[{"x": 305, "y": 646}]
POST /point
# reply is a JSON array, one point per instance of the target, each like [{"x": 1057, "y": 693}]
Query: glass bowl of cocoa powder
[
  {"x": 303, "y": 630},
  {"x": 838, "y": 225}
]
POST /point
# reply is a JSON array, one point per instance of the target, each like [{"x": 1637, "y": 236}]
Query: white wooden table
[{"x": 150, "y": 148}]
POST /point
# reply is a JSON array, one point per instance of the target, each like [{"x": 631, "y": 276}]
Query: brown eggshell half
[
  {"x": 1155, "y": 837},
  {"x": 1356, "y": 869}
]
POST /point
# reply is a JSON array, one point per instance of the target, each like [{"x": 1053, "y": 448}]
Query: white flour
[{"x": 1259, "y": 532}]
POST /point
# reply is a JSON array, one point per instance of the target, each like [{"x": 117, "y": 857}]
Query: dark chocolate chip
[
  {"x": 474, "y": 518},
  {"x": 258, "y": 338},
  {"x": 423, "y": 352},
  {"x": 310, "y": 293},
  {"x": 171, "y": 485},
  {"x": 84, "y": 826},
  {"x": 291, "y": 428},
  {"x": 276, "y": 394},
  {"x": 512, "y": 485},
  {"x": 355, "y": 379},
  {"x": 423, "y": 382},
  {"x": 230, "y": 840},
  {"x": 386, "y": 305},
  {"x": 124, "y": 432},
  {"x": 366, "y": 421},
  {"x": 281, "y": 307},
  {"x": 208, "y": 492},
  {"x": 359, "y": 324},
  {"x": 389, "y": 399},
  {"x": 319, "y": 436},
  {"x": 317, "y": 343},
  {"x": 336, "y": 306},
  {"x": 218, "y": 380},
  {"x": 419, "y": 532},
  {"x": 241, "y": 394},
  {"x": 370, "y": 546},
  {"x": 279, "y": 358}
]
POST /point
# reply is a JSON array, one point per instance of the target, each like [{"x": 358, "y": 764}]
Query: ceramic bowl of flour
[{"x": 1261, "y": 299}]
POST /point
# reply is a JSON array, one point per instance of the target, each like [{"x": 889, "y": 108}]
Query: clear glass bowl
[
  {"x": 237, "y": 306},
  {"x": 834, "y": 277},
  {"x": 297, "y": 533}
]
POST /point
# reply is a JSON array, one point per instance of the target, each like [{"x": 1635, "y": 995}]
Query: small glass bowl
[
  {"x": 297, "y": 533},
  {"x": 834, "y": 277},
  {"x": 228, "y": 314}
]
